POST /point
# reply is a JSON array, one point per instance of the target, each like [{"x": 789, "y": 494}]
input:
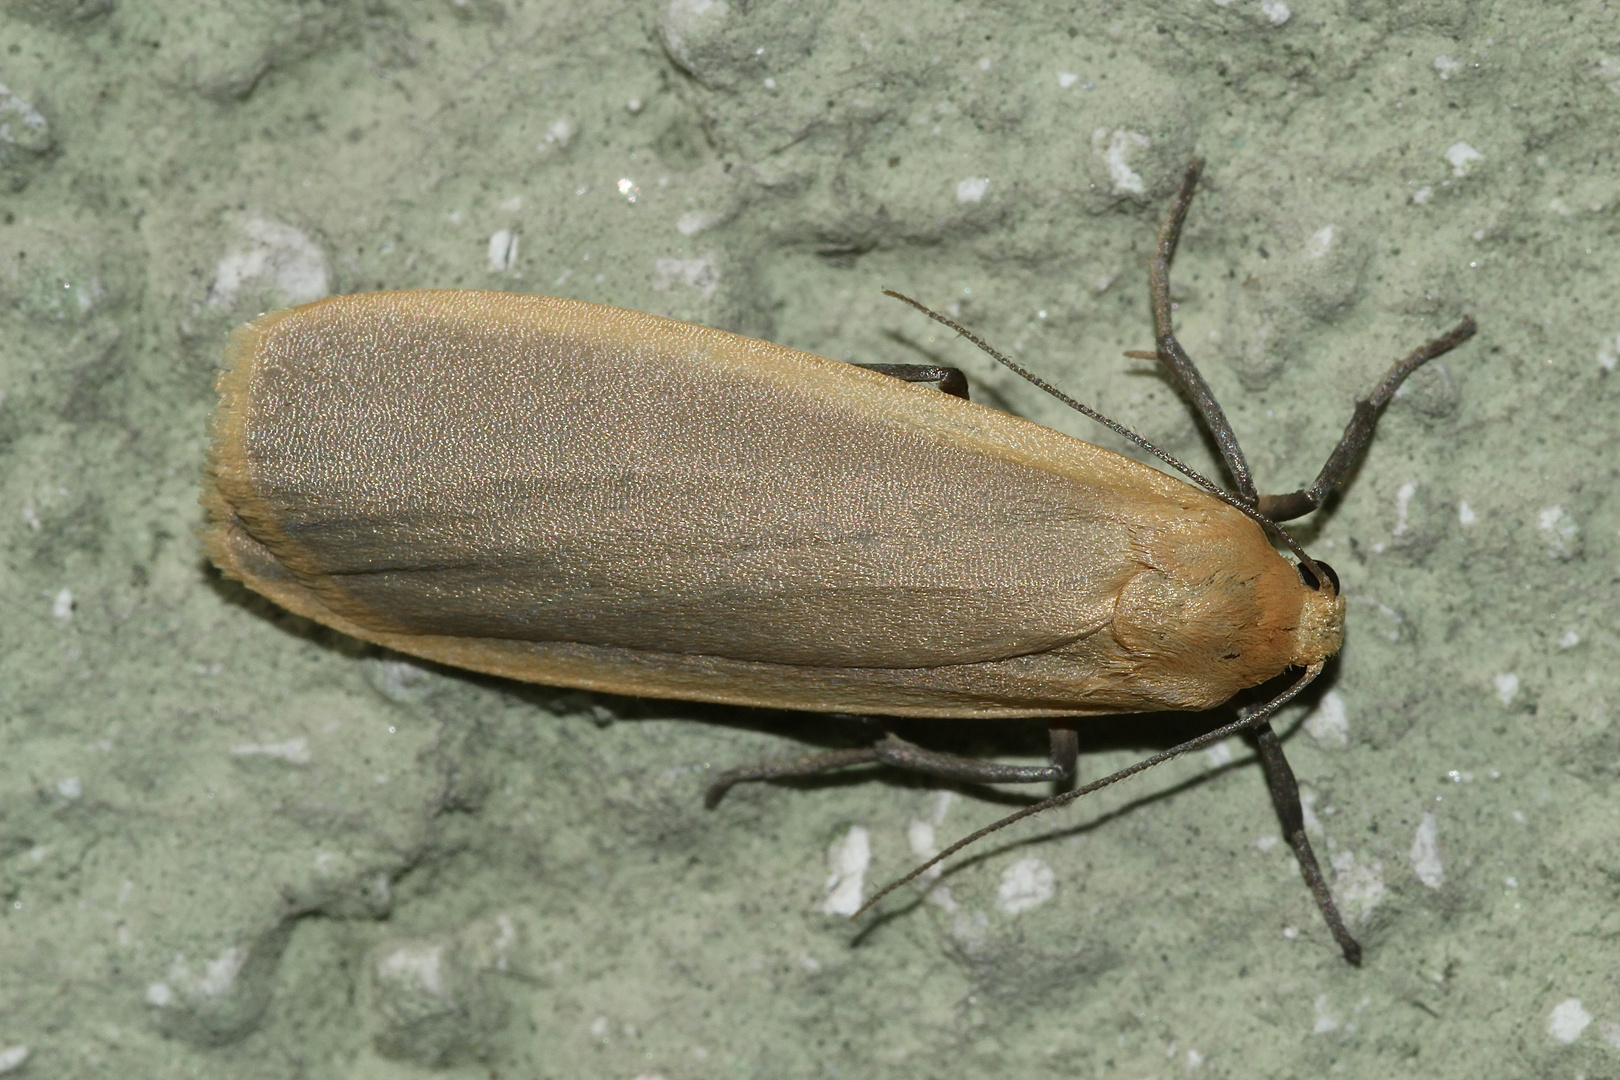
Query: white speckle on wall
[
  {"x": 69, "y": 787},
  {"x": 924, "y": 844},
  {"x": 685, "y": 18},
  {"x": 920, "y": 838},
  {"x": 1066, "y": 79},
  {"x": 1276, "y": 11},
  {"x": 1608, "y": 354},
  {"x": 1567, "y": 1020},
  {"x": 1320, "y": 241},
  {"x": 1422, "y": 195},
  {"x": 62, "y": 604},
  {"x": 700, "y": 274},
  {"x": 695, "y": 221},
  {"x": 1403, "y": 506},
  {"x": 1328, "y": 723},
  {"x": 400, "y": 680},
  {"x": 562, "y": 131},
  {"x": 1325, "y": 1020},
  {"x": 1559, "y": 530},
  {"x": 972, "y": 189},
  {"x": 1465, "y": 513},
  {"x": 1463, "y": 158},
  {"x": 1358, "y": 887},
  {"x": 847, "y": 860},
  {"x": 1307, "y": 809},
  {"x": 1609, "y": 72},
  {"x": 1116, "y": 149},
  {"x": 12, "y": 1058},
  {"x": 1425, "y": 853},
  {"x": 1507, "y": 687},
  {"x": 418, "y": 967},
  {"x": 503, "y": 250},
  {"x": 1446, "y": 66},
  {"x": 1027, "y": 883},
  {"x": 217, "y": 978},
  {"x": 294, "y": 751},
  {"x": 21, "y": 124},
  {"x": 277, "y": 256},
  {"x": 220, "y": 973}
]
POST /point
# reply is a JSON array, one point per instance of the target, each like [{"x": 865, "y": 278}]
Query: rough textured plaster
[{"x": 234, "y": 844}]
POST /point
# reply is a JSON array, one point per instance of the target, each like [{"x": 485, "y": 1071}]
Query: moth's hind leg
[{"x": 899, "y": 754}]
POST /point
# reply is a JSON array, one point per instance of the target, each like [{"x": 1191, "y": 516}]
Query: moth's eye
[{"x": 1310, "y": 579}]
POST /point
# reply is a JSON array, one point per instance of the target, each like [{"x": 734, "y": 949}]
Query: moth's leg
[
  {"x": 778, "y": 770},
  {"x": 1177, "y": 364},
  {"x": 1285, "y": 797},
  {"x": 1184, "y": 374},
  {"x": 900, "y": 754},
  {"x": 947, "y": 380},
  {"x": 1065, "y": 749},
  {"x": 1360, "y": 428}
]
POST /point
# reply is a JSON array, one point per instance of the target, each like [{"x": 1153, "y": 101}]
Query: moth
[{"x": 565, "y": 493}]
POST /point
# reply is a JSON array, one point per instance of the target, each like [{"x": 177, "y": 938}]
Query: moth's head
[{"x": 1320, "y": 632}]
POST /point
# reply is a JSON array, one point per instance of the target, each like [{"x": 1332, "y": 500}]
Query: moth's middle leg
[{"x": 899, "y": 754}]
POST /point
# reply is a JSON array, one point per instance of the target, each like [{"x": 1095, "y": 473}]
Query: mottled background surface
[{"x": 232, "y": 844}]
